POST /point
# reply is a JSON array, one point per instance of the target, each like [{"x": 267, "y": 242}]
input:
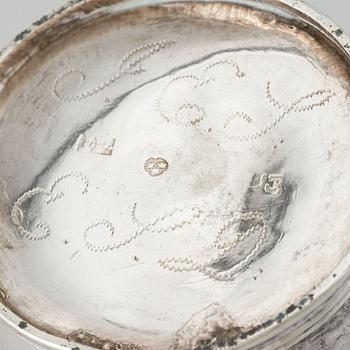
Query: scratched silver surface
[{"x": 174, "y": 176}]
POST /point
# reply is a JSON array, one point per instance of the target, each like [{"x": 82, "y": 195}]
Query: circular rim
[{"x": 326, "y": 298}]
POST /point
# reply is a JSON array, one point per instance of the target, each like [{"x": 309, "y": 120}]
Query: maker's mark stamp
[{"x": 94, "y": 145}]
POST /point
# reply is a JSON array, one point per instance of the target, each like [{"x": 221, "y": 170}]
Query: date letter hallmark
[{"x": 270, "y": 184}]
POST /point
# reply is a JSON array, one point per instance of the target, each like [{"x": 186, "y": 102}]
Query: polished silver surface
[{"x": 174, "y": 176}]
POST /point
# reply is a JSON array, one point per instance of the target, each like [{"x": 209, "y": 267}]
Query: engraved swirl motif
[
  {"x": 131, "y": 64},
  {"x": 178, "y": 264},
  {"x": 221, "y": 245},
  {"x": 17, "y": 216},
  {"x": 18, "y": 213},
  {"x": 177, "y": 219},
  {"x": 191, "y": 114},
  {"x": 157, "y": 225},
  {"x": 315, "y": 99},
  {"x": 188, "y": 113}
]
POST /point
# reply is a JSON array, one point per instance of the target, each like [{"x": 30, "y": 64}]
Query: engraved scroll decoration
[
  {"x": 191, "y": 114},
  {"x": 240, "y": 226},
  {"x": 130, "y": 64},
  {"x": 18, "y": 213}
]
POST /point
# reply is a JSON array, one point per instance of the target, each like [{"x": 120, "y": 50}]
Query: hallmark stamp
[
  {"x": 104, "y": 148},
  {"x": 270, "y": 184},
  {"x": 156, "y": 166}
]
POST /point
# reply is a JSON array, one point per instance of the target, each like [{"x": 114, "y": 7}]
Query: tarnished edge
[
  {"x": 337, "y": 32},
  {"x": 44, "y": 31},
  {"x": 331, "y": 294}
]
